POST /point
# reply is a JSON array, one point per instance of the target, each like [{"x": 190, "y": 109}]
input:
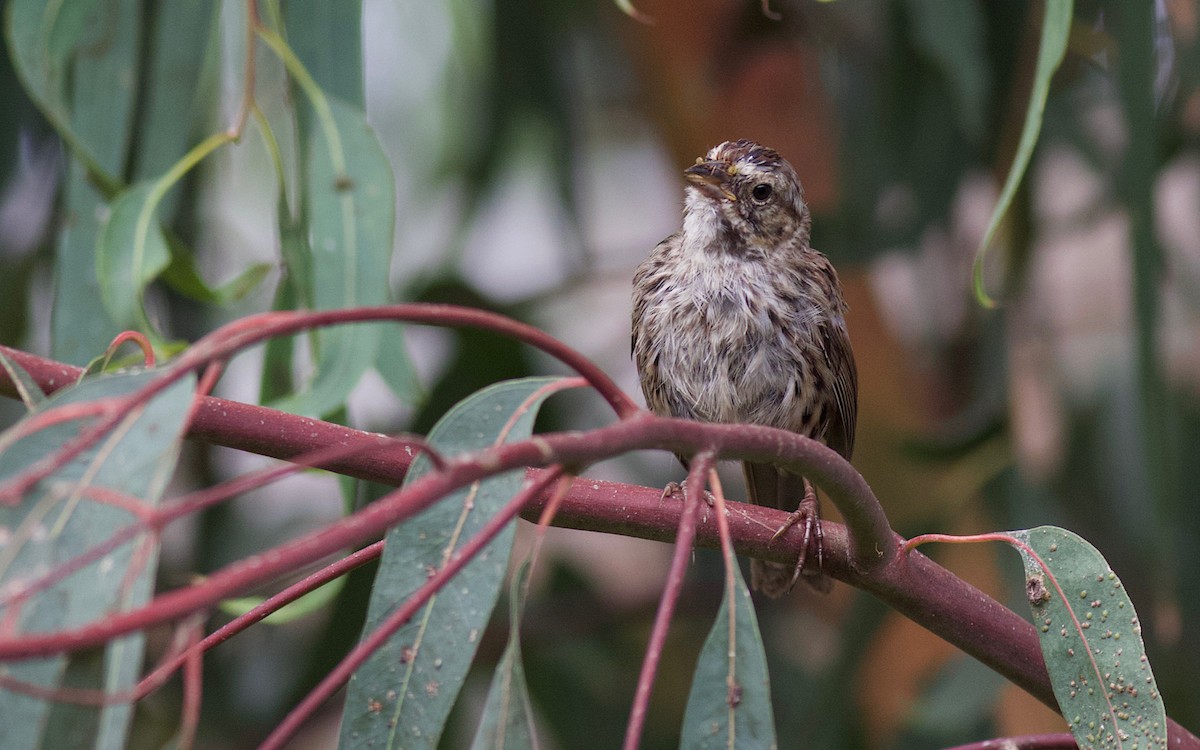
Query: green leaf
[
  {"x": 1092, "y": 642},
  {"x": 91, "y": 45},
  {"x": 1056, "y": 30},
  {"x": 402, "y": 696},
  {"x": 327, "y": 37},
  {"x": 730, "y": 702},
  {"x": 80, "y": 323},
  {"x": 53, "y": 523},
  {"x": 952, "y": 35},
  {"x": 507, "y": 720},
  {"x": 95, "y": 116},
  {"x": 176, "y": 99},
  {"x": 350, "y": 204},
  {"x": 183, "y": 276},
  {"x": 396, "y": 367},
  {"x": 131, "y": 252}
]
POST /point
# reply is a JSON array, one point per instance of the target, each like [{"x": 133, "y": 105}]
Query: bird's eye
[{"x": 761, "y": 192}]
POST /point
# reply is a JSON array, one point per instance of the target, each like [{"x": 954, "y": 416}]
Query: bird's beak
[{"x": 712, "y": 177}]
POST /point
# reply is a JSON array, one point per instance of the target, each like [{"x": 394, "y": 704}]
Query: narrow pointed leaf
[
  {"x": 94, "y": 115},
  {"x": 1092, "y": 643},
  {"x": 730, "y": 702},
  {"x": 350, "y": 206},
  {"x": 507, "y": 722},
  {"x": 183, "y": 276},
  {"x": 402, "y": 696},
  {"x": 1056, "y": 30},
  {"x": 177, "y": 86}
]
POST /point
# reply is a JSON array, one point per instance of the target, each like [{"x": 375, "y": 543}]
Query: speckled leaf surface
[
  {"x": 402, "y": 696},
  {"x": 1092, "y": 642}
]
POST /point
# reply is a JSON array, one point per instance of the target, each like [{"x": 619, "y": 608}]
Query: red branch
[{"x": 912, "y": 584}]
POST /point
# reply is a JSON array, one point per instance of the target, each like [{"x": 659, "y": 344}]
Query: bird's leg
[{"x": 808, "y": 514}]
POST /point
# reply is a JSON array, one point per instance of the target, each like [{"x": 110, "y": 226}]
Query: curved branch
[
  {"x": 912, "y": 584},
  {"x": 563, "y": 449},
  {"x": 236, "y": 336}
]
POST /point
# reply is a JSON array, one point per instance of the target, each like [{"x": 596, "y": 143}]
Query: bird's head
[{"x": 748, "y": 196}]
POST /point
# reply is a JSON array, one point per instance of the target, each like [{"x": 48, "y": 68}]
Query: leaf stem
[{"x": 697, "y": 475}]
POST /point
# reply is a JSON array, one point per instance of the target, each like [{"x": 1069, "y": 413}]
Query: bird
[{"x": 737, "y": 319}]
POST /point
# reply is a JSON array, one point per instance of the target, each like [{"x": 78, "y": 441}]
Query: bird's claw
[
  {"x": 813, "y": 541},
  {"x": 677, "y": 490}
]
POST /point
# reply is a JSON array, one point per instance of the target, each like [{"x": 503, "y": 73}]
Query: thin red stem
[
  {"x": 701, "y": 464},
  {"x": 193, "y": 689},
  {"x": 136, "y": 337}
]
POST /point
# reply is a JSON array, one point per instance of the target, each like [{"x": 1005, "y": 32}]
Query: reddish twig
[
  {"x": 697, "y": 475},
  {"x": 193, "y": 687},
  {"x": 136, "y": 337},
  {"x": 763, "y": 444},
  {"x": 232, "y": 338},
  {"x": 253, "y": 329}
]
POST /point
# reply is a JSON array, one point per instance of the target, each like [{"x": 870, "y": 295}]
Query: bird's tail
[{"x": 776, "y": 579}]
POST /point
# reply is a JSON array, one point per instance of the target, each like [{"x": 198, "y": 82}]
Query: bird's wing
[{"x": 839, "y": 435}]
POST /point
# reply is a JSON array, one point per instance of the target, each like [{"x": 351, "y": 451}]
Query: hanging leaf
[
  {"x": 52, "y": 45},
  {"x": 507, "y": 721},
  {"x": 1056, "y": 30},
  {"x": 350, "y": 206},
  {"x": 131, "y": 252},
  {"x": 730, "y": 702},
  {"x": 1092, "y": 642},
  {"x": 402, "y": 696}
]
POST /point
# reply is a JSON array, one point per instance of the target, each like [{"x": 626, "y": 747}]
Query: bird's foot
[
  {"x": 676, "y": 491},
  {"x": 808, "y": 516}
]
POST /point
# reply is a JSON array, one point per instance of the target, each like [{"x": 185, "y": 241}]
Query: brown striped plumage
[{"x": 737, "y": 319}]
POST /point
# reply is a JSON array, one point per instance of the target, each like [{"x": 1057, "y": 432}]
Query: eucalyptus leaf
[
  {"x": 402, "y": 696},
  {"x": 1092, "y": 642},
  {"x": 60, "y": 62},
  {"x": 350, "y": 199},
  {"x": 131, "y": 252},
  {"x": 1056, "y": 31},
  {"x": 507, "y": 721},
  {"x": 730, "y": 702}
]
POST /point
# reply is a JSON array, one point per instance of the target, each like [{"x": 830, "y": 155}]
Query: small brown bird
[{"x": 736, "y": 319}]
